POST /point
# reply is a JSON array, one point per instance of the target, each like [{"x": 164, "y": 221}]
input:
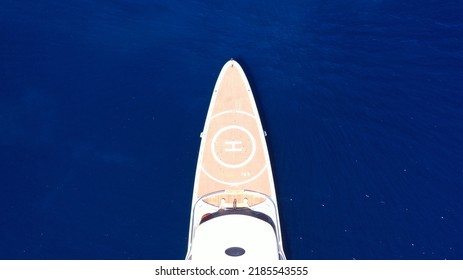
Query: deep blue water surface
[{"x": 102, "y": 103}]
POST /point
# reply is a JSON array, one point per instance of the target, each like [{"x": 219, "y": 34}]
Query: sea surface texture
[{"x": 102, "y": 104}]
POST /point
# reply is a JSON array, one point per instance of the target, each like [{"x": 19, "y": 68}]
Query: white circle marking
[{"x": 223, "y": 129}]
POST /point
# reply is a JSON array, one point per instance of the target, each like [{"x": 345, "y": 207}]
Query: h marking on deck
[{"x": 233, "y": 147}]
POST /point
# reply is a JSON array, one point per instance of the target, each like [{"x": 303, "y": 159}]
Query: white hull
[{"x": 234, "y": 212}]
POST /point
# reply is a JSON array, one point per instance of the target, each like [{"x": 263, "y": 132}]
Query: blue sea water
[{"x": 102, "y": 103}]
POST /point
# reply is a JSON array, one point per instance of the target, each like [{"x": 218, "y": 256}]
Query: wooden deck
[{"x": 233, "y": 155}]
